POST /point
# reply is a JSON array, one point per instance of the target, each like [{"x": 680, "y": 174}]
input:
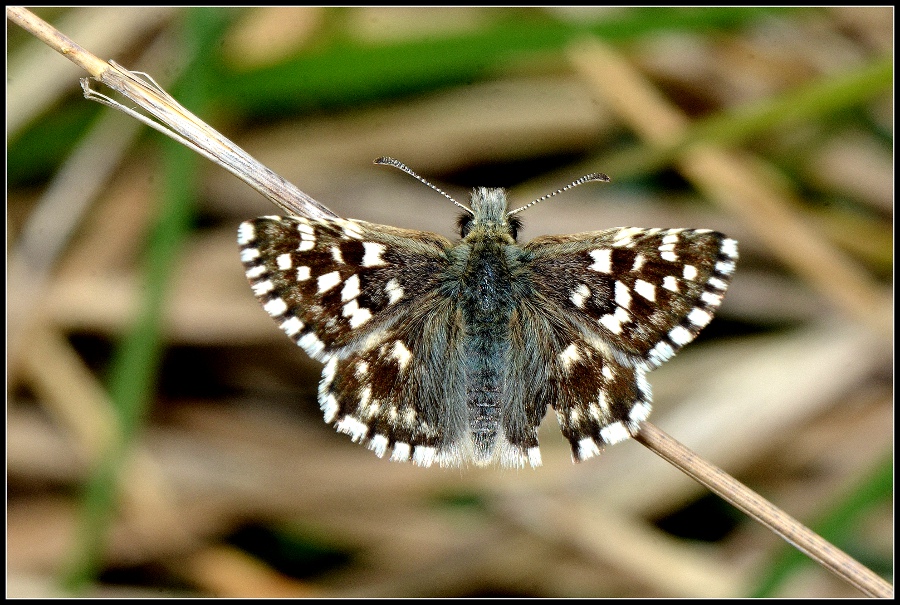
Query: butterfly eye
[
  {"x": 464, "y": 222},
  {"x": 515, "y": 223}
]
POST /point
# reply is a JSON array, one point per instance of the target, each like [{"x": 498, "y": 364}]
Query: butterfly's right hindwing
[
  {"x": 598, "y": 401},
  {"x": 606, "y": 307}
]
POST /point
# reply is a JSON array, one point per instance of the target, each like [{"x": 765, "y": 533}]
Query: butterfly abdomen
[{"x": 485, "y": 296}]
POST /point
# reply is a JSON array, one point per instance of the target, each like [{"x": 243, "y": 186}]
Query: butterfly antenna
[
  {"x": 594, "y": 176},
  {"x": 398, "y": 164}
]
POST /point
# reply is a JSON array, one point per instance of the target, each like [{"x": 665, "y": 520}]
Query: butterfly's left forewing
[
  {"x": 364, "y": 299},
  {"x": 333, "y": 283}
]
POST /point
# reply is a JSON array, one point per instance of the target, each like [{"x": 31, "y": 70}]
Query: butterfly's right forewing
[
  {"x": 642, "y": 294},
  {"x": 610, "y": 306}
]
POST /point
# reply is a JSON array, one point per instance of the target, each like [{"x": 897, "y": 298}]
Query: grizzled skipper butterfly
[{"x": 452, "y": 352}]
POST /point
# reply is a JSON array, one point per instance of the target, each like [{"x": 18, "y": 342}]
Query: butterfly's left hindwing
[
  {"x": 364, "y": 299},
  {"x": 403, "y": 391}
]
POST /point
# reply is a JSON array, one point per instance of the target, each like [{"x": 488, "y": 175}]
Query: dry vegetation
[{"x": 230, "y": 483}]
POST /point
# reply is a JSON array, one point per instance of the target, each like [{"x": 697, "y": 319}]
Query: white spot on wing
[
  {"x": 256, "y": 271},
  {"x": 639, "y": 413},
  {"x": 711, "y": 299},
  {"x": 312, "y": 345},
  {"x": 307, "y": 237},
  {"x": 661, "y": 352},
  {"x": 379, "y": 445},
  {"x": 351, "y": 288},
  {"x": 336, "y": 255},
  {"x": 423, "y": 455},
  {"x": 690, "y": 272},
  {"x": 611, "y": 323},
  {"x": 680, "y": 335},
  {"x": 623, "y": 295},
  {"x": 645, "y": 289},
  {"x": 275, "y": 307},
  {"x": 328, "y": 281},
  {"x": 614, "y": 321},
  {"x": 670, "y": 238},
  {"x": 587, "y": 447},
  {"x": 401, "y": 451},
  {"x": 699, "y": 317},
  {"x": 246, "y": 233},
  {"x": 401, "y": 354},
  {"x": 614, "y": 433},
  {"x": 356, "y": 314},
  {"x": 263, "y": 287},
  {"x": 726, "y": 267},
  {"x": 579, "y": 295},
  {"x": 284, "y": 261},
  {"x": 351, "y": 229},
  {"x": 353, "y": 427},
  {"x": 670, "y": 283},
  {"x": 643, "y": 386},
  {"x": 602, "y": 402},
  {"x": 717, "y": 283},
  {"x": 292, "y": 326},
  {"x": 625, "y": 236},
  {"x": 569, "y": 356},
  {"x": 328, "y": 374},
  {"x": 249, "y": 254},
  {"x": 574, "y": 416},
  {"x": 372, "y": 255},
  {"x": 729, "y": 248},
  {"x": 602, "y": 260},
  {"x": 330, "y": 408},
  {"x": 394, "y": 291},
  {"x": 534, "y": 457},
  {"x": 638, "y": 262},
  {"x": 362, "y": 368},
  {"x": 303, "y": 273}
]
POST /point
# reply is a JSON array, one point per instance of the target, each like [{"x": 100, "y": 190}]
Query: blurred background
[{"x": 163, "y": 436}]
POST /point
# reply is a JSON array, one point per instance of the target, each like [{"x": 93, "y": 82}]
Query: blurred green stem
[
  {"x": 136, "y": 361},
  {"x": 822, "y": 97}
]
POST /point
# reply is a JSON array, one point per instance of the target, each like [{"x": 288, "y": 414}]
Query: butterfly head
[{"x": 489, "y": 214}]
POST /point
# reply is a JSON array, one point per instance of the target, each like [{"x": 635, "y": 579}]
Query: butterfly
[{"x": 452, "y": 353}]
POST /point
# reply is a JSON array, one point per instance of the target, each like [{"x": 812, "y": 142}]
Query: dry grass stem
[{"x": 745, "y": 499}]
